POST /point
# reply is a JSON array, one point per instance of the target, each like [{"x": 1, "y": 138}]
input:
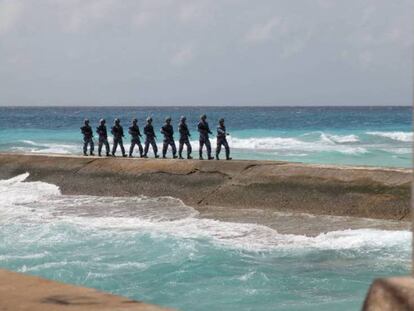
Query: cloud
[
  {"x": 10, "y": 13},
  {"x": 78, "y": 14},
  {"x": 262, "y": 32},
  {"x": 183, "y": 56}
]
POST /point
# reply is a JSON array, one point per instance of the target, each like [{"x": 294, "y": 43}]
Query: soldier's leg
[
  {"x": 174, "y": 149},
  {"x": 121, "y": 144},
  {"x": 85, "y": 146},
  {"x": 140, "y": 148},
  {"x": 208, "y": 145},
  {"x": 218, "y": 148},
  {"x": 115, "y": 146},
  {"x": 200, "y": 151},
  {"x": 226, "y": 146},
  {"x": 189, "y": 149},
  {"x": 146, "y": 147},
  {"x": 91, "y": 146},
  {"x": 180, "y": 149},
  {"x": 100, "y": 143},
  {"x": 106, "y": 147},
  {"x": 164, "y": 148},
  {"x": 131, "y": 148},
  {"x": 154, "y": 147}
]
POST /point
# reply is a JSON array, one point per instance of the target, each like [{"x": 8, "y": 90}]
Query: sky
[{"x": 206, "y": 52}]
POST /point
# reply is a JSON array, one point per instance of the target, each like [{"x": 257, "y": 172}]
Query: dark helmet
[
  {"x": 221, "y": 120},
  {"x": 117, "y": 121},
  {"x": 168, "y": 119},
  {"x": 134, "y": 121},
  {"x": 149, "y": 119},
  {"x": 86, "y": 121},
  {"x": 102, "y": 121},
  {"x": 183, "y": 119},
  {"x": 203, "y": 117}
]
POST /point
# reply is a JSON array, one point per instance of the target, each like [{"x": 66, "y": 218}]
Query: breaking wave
[
  {"x": 43, "y": 204},
  {"x": 399, "y": 136}
]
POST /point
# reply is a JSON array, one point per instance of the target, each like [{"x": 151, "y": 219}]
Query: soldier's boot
[
  {"x": 157, "y": 156},
  {"x": 92, "y": 154},
  {"x": 85, "y": 154},
  {"x": 211, "y": 158},
  {"x": 180, "y": 156},
  {"x": 108, "y": 154},
  {"x": 189, "y": 157},
  {"x": 217, "y": 156},
  {"x": 175, "y": 156}
]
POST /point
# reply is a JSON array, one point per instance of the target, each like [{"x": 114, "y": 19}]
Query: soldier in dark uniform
[
  {"x": 103, "y": 137},
  {"x": 87, "y": 138},
  {"x": 135, "y": 135},
  {"x": 118, "y": 132},
  {"x": 222, "y": 140},
  {"x": 168, "y": 132},
  {"x": 184, "y": 138},
  {"x": 150, "y": 138},
  {"x": 204, "y": 130}
]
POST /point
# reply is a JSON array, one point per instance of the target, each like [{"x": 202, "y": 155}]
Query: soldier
[
  {"x": 118, "y": 132},
  {"x": 184, "y": 138},
  {"x": 204, "y": 130},
  {"x": 222, "y": 140},
  {"x": 103, "y": 137},
  {"x": 168, "y": 132},
  {"x": 135, "y": 135},
  {"x": 87, "y": 138},
  {"x": 150, "y": 138}
]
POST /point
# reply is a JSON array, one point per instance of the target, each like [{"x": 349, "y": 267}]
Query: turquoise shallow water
[
  {"x": 159, "y": 250},
  {"x": 375, "y": 136}
]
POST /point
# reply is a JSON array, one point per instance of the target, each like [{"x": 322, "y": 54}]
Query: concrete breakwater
[{"x": 205, "y": 185}]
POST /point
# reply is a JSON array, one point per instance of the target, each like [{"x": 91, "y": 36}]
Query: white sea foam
[
  {"x": 288, "y": 144},
  {"x": 399, "y": 136},
  {"x": 42, "y": 203}
]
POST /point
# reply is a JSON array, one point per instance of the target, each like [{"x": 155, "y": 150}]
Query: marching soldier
[
  {"x": 150, "y": 138},
  {"x": 103, "y": 137},
  {"x": 118, "y": 132},
  {"x": 87, "y": 138},
  {"x": 184, "y": 138},
  {"x": 135, "y": 135}
]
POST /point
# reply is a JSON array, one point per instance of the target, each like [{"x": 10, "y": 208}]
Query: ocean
[
  {"x": 161, "y": 251},
  {"x": 373, "y": 136}
]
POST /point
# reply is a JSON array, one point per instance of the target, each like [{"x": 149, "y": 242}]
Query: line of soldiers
[{"x": 167, "y": 130}]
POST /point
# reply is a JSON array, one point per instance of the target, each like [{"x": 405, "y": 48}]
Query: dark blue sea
[{"x": 374, "y": 136}]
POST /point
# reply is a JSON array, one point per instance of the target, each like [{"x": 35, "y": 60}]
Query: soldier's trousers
[
  {"x": 86, "y": 142},
  {"x": 103, "y": 141},
  {"x": 205, "y": 141},
  {"x": 222, "y": 142},
  {"x": 135, "y": 141},
  {"x": 148, "y": 142},
  {"x": 166, "y": 143},
  {"x": 118, "y": 141},
  {"x": 184, "y": 141}
]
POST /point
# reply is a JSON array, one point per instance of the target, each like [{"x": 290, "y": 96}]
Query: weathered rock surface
[
  {"x": 25, "y": 292},
  {"x": 393, "y": 294},
  {"x": 280, "y": 186}
]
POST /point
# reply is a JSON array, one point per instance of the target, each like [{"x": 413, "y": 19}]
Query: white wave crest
[
  {"x": 290, "y": 145},
  {"x": 399, "y": 136}
]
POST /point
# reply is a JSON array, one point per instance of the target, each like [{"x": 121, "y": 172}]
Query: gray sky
[{"x": 206, "y": 52}]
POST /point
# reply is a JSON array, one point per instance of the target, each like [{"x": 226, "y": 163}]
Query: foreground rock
[
  {"x": 24, "y": 292},
  {"x": 393, "y": 294},
  {"x": 267, "y": 185}
]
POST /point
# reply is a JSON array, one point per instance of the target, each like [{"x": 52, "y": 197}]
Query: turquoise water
[
  {"x": 159, "y": 250},
  {"x": 375, "y": 136}
]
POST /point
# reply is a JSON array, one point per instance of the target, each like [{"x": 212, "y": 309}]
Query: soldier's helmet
[
  {"x": 117, "y": 121},
  {"x": 168, "y": 119},
  {"x": 102, "y": 121},
  {"x": 203, "y": 117},
  {"x": 134, "y": 120},
  {"x": 221, "y": 120},
  {"x": 86, "y": 121},
  {"x": 149, "y": 119},
  {"x": 183, "y": 119}
]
